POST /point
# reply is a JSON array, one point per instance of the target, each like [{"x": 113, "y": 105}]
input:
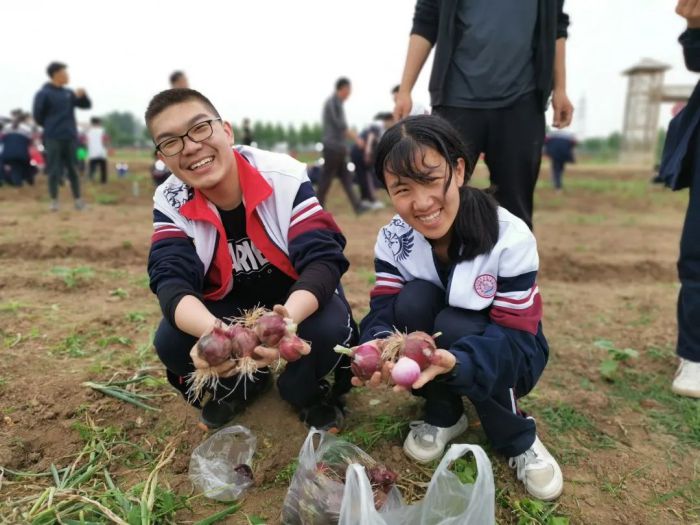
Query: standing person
[
  {"x": 362, "y": 156},
  {"x": 495, "y": 65},
  {"x": 335, "y": 133},
  {"x": 16, "y": 142},
  {"x": 237, "y": 229},
  {"x": 559, "y": 147},
  {"x": 680, "y": 168},
  {"x": 178, "y": 79},
  {"x": 97, "y": 141},
  {"x": 452, "y": 261},
  {"x": 247, "y": 133},
  {"x": 54, "y": 107}
]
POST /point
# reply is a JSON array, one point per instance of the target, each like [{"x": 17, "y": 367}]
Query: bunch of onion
[
  {"x": 411, "y": 354},
  {"x": 237, "y": 341}
]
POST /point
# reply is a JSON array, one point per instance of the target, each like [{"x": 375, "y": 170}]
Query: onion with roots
[
  {"x": 366, "y": 360},
  {"x": 237, "y": 342}
]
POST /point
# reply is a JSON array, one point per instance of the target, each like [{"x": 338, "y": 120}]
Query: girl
[{"x": 453, "y": 261}]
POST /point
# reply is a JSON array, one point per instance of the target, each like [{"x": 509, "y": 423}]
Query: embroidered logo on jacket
[
  {"x": 400, "y": 245},
  {"x": 485, "y": 285},
  {"x": 176, "y": 194}
]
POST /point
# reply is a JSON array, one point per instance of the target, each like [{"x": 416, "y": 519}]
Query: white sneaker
[
  {"x": 54, "y": 205},
  {"x": 539, "y": 472},
  {"x": 425, "y": 442},
  {"x": 687, "y": 379},
  {"x": 377, "y": 205}
]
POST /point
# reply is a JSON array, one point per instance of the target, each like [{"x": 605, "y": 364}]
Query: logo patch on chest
[{"x": 485, "y": 286}]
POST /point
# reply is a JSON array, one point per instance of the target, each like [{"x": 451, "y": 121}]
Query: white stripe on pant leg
[{"x": 512, "y": 401}]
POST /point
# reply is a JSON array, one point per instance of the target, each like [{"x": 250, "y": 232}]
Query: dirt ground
[{"x": 75, "y": 307}]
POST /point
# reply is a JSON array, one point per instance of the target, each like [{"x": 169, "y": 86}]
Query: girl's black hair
[{"x": 476, "y": 223}]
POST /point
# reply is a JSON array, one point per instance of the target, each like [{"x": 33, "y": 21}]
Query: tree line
[{"x": 125, "y": 130}]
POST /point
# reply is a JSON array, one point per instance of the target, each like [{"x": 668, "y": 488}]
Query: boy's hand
[
  {"x": 225, "y": 369},
  {"x": 690, "y": 10}
]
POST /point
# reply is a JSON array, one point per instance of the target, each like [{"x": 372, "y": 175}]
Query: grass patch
[
  {"x": 383, "y": 428},
  {"x": 72, "y": 277},
  {"x": 106, "y": 199},
  {"x": 678, "y": 416}
]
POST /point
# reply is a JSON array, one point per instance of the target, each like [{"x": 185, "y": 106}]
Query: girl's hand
[
  {"x": 444, "y": 362},
  {"x": 378, "y": 379}
]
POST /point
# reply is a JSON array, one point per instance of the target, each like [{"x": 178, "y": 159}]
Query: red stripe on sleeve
[
  {"x": 317, "y": 221},
  {"x": 173, "y": 233},
  {"x": 383, "y": 290},
  {"x": 526, "y": 319}
]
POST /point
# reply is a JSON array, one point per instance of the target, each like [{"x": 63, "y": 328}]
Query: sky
[{"x": 277, "y": 60}]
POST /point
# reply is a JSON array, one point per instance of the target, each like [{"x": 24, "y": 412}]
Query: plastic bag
[
  {"x": 219, "y": 466},
  {"x": 448, "y": 501},
  {"x": 316, "y": 491}
]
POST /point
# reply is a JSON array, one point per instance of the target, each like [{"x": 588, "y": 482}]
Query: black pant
[
  {"x": 557, "y": 173},
  {"x": 98, "y": 163},
  {"x": 334, "y": 166},
  {"x": 689, "y": 272},
  {"x": 60, "y": 156},
  {"x": 18, "y": 172},
  {"x": 421, "y": 306},
  {"x": 511, "y": 139},
  {"x": 299, "y": 382},
  {"x": 363, "y": 175}
]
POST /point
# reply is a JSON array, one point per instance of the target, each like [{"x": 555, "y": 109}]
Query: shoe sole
[
  {"x": 685, "y": 392},
  {"x": 428, "y": 460}
]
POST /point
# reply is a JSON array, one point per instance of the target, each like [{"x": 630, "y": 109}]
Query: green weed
[
  {"x": 609, "y": 367},
  {"x": 71, "y": 277},
  {"x": 382, "y": 428}
]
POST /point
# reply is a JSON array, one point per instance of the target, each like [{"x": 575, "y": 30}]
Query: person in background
[
  {"x": 362, "y": 157},
  {"x": 680, "y": 168},
  {"x": 247, "y": 138},
  {"x": 16, "y": 141},
  {"x": 97, "y": 143},
  {"x": 178, "y": 79},
  {"x": 559, "y": 147},
  {"x": 54, "y": 107},
  {"x": 335, "y": 133},
  {"x": 494, "y": 68}
]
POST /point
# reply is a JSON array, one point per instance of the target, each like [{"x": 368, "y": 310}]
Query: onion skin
[
  {"x": 244, "y": 341},
  {"x": 215, "y": 347},
  {"x": 270, "y": 329},
  {"x": 420, "y": 347},
  {"x": 405, "y": 372},
  {"x": 366, "y": 360},
  {"x": 290, "y": 347}
]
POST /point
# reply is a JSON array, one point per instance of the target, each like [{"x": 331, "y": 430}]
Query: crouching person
[
  {"x": 452, "y": 261},
  {"x": 236, "y": 228}
]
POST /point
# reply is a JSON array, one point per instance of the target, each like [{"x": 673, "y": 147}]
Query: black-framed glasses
[{"x": 197, "y": 133}]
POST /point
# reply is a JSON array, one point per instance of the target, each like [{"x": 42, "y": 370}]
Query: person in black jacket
[
  {"x": 495, "y": 65},
  {"x": 680, "y": 168},
  {"x": 54, "y": 106}
]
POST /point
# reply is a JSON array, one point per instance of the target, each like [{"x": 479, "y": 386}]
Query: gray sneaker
[
  {"x": 79, "y": 204},
  {"x": 54, "y": 205}
]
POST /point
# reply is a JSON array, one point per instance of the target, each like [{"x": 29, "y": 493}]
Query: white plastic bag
[
  {"x": 213, "y": 466},
  {"x": 448, "y": 501}
]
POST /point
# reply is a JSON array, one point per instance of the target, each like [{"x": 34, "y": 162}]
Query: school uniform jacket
[
  {"x": 284, "y": 220},
  {"x": 502, "y": 281}
]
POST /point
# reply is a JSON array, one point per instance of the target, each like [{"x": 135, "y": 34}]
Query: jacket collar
[{"x": 254, "y": 189}]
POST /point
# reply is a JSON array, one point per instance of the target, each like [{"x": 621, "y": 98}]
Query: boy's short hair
[
  {"x": 341, "y": 83},
  {"x": 170, "y": 97},
  {"x": 55, "y": 67},
  {"x": 95, "y": 121}
]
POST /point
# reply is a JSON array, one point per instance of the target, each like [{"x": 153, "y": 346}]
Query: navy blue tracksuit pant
[
  {"x": 421, "y": 306},
  {"x": 299, "y": 382},
  {"x": 689, "y": 270}
]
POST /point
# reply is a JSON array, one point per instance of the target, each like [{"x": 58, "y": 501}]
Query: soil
[{"x": 607, "y": 273}]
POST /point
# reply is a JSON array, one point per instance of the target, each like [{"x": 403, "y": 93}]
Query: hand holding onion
[{"x": 442, "y": 362}]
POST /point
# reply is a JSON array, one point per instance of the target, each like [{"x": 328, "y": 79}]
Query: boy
[{"x": 234, "y": 229}]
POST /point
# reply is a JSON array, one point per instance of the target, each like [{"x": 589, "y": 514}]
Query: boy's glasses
[{"x": 197, "y": 133}]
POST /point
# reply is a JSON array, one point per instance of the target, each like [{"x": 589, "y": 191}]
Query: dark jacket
[
  {"x": 675, "y": 163},
  {"x": 16, "y": 144},
  {"x": 435, "y": 20},
  {"x": 54, "y": 111}
]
